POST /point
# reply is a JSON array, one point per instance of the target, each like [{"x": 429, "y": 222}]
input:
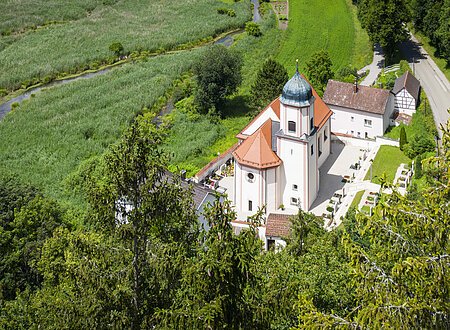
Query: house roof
[
  {"x": 368, "y": 99},
  {"x": 256, "y": 151},
  {"x": 278, "y": 225},
  {"x": 409, "y": 82},
  {"x": 321, "y": 111}
]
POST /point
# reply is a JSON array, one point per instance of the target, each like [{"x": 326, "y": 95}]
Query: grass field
[
  {"x": 47, "y": 137},
  {"x": 387, "y": 160},
  {"x": 138, "y": 25},
  {"x": 320, "y": 24},
  {"x": 357, "y": 199}
]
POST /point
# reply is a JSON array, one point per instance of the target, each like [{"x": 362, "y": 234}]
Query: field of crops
[
  {"x": 138, "y": 25},
  {"x": 323, "y": 24},
  {"x": 47, "y": 137}
]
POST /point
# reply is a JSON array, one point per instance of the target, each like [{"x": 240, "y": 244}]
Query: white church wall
[
  {"x": 249, "y": 190},
  {"x": 356, "y": 123},
  {"x": 324, "y": 136},
  {"x": 312, "y": 169},
  {"x": 271, "y": 202},
  {"x": 293, "y": 174}
]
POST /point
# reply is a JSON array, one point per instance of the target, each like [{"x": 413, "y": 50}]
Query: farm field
[
  {"x": 47, "y": 137},
  {"x": 139, "y": 25},
  {"x": 320, "y": 24}
]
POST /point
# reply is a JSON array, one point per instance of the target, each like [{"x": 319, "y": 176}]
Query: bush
[
  {"x": 418, "y": 167},
  {"x": 226, "y": 11},
  {"x": 418, "y": 145},
  {"x": 253, "y": 29},
  {"x": 116, "y": 48}
]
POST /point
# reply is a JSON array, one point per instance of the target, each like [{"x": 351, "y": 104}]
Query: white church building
[{"x": 280, "y": 152}]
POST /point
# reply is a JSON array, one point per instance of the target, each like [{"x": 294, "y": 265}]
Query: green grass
[
  {"x": 422, "y": 122},
  {"x": 357, "y": 199},
  {"x": 322, "y": 24},
  {"x": 47, "y": 137},
  {"x": 440, "y": 62},
  {"x": 77, "y": 44},
  {"x": 387, "y": 160}
]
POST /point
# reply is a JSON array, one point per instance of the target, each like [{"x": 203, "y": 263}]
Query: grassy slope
[
  {"x": 45, "y": 138},
  {"x": 357, "y": 199},
  {"x": 321, "y": 24},
  {"x": 387, "y": 160},
  {"x": 136, "y": 24}
]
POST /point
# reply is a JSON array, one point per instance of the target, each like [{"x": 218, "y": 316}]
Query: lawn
[
  {"x": 387, "y": 160},
  {"x": 84, "y": 41},
  {"x": 357, "y": 199},
  {"x": 329, "y": 25},
  {"x": 47, "y": 137}
]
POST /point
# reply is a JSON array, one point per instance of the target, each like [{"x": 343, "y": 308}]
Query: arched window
[{"x": 291, "y": 126}]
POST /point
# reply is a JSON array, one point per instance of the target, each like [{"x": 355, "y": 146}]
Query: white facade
[{"x": 405, "y": 103}]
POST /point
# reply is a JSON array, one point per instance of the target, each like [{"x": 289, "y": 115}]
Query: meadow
[
  {"x": 78, "y": 44},
  {"x": 48, "y": 136},
  {"x": 329, "y": 25}
]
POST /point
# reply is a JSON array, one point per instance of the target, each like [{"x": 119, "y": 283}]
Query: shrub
[
  {"x": 418, "y": 167},
  {"x": 403, "y": 139},
  {"x": 253, "y": 29},
  {"x": 418, "y": 145},
  {"x": 116, "y": 48}
]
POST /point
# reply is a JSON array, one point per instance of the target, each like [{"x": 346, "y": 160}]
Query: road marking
[{"x": 440, "y": 83}]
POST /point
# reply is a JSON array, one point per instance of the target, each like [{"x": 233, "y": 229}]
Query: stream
[{"x": 226, "y": 41}]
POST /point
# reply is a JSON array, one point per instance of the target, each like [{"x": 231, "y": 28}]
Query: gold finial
[{"x": 296, "y": 65}]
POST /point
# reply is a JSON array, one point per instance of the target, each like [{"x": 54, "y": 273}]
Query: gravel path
[{"x": 374, "y": 67}]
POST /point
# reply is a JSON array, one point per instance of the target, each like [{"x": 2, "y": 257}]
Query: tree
[
  {"x": 27, "y": 219},
  {"x": 218, "y": 75},
  {"x": 384, "y": 21},
  {"x": 318, "y": 70},
  {"x": 116, "y": 48},
  {"x": 253, "y": 29},
  {"x": 269, "y": 83},
  {"x": 403, "y": 139},
  {"x": 401, "y": 271}
]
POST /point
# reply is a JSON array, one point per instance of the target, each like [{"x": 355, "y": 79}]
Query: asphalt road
[{"x": 432, "y": 80}]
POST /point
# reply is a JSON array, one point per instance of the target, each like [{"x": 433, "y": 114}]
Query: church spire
[{"x": 296, "y": 65}]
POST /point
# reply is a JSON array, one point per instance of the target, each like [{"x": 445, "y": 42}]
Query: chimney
[{"x": 355, "y": 86}]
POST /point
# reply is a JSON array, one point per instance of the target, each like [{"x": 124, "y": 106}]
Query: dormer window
[{"x": 291, "y": 126}]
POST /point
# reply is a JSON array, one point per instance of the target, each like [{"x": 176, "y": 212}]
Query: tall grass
[
  {"x": 138, "y": 25},
  {"x": 321, "y": 24},
  {"x": 47, "y": 137}
]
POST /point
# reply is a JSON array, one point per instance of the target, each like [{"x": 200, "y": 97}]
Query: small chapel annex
[{"x": 280, "y": 152}]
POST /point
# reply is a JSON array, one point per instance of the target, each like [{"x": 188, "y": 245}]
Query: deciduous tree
[{"x": 318, "y": 70}]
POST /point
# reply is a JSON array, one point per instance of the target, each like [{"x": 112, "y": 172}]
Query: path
[
  {"x": 431, "y": 78},
  {"x": 374, "y": 67},
  {"x": 256, "y": 14}
]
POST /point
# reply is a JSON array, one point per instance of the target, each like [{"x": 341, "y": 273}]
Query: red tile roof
[
  {"x": 256, "y": 151},
  {"x": 278, "y": 225}
]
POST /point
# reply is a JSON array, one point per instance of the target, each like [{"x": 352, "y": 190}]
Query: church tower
[{"x": 296, "y": 144}]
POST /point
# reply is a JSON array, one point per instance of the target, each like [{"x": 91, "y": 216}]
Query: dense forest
[{"x": 155, "y": 268}]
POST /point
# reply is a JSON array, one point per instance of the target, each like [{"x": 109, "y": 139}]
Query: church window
[
  {"x": 352, "y": 118},
  {"x": 294, "y": 201},
  {"x": 250, "y": 177},
  {"x": 294, "y": 187},
  {"x": 325, "y": 136},
  {"x": 312, "y": 123},
  {"x": 291, "y": 126},
  {"x": 312, "y": 149},
  {"x": 250, "y": 205}
]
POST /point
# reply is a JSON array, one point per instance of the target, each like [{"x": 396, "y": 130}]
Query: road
[
  {"x": 432, "y": 80},
  {"x": 374, "y": 68}
]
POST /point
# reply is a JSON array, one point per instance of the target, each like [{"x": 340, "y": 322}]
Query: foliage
[
  {"x": 218, "y": 75},
  {"x": 347, "y": 74},
  {"x": 45, "y": 139},
  {"x": 418, "y": 166},
  {"x": 328, "y": 26},
  {"x": 162, "y": 24},
  {"x": 403, "y": 139},
  {"x": 418, "y": 145},
  {"x": 384, "y": 22},
  {"x": 387, "y": 160},
  {"x": 253, "y": 29},
  {"x": 226, "y": 11},
  {"x": 116, "y": 48},
  {"x": 270, "y": 80},
  {"x": 318, "y": 70},
  {"x": 305, "y": 229}
]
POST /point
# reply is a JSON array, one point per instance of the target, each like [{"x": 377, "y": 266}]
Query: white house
[
  {"x": 407, "y": 92},
  {"x": 359, "y": 111},
  {"x": 280, "y": 152}
]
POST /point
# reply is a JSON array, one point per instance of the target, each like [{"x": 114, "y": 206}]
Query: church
[{"x": 280, "y": 152}]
